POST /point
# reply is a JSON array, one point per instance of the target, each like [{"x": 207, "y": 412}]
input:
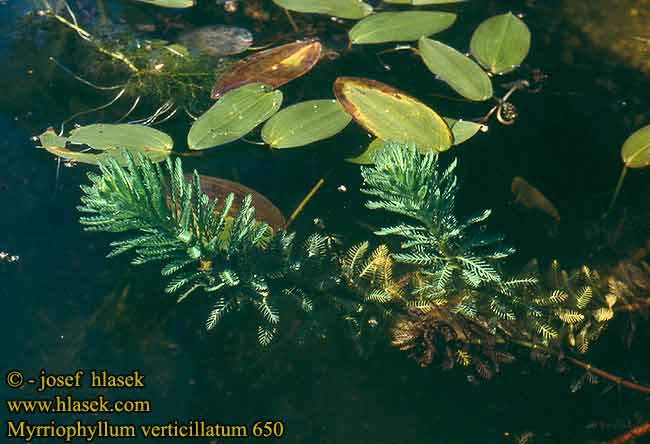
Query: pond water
[{"x": 67, "y": 307}]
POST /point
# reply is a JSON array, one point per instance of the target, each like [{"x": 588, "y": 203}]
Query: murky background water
[{"x": 65, "y": 306}]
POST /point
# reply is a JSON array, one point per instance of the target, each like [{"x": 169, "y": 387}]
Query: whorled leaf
[
  {"x": 400, "y": 26},
  {"x": 234, "y": 115},
  {"x": 391, "y": 114},
  {"x": 305, "y": 123},
  {"x": 349, "y": 9},
  {"x": 273, "y": 67},
  {"x": 501, "y": 43},
  {"x": 92, "y": 143},
  {"x": 457, "y": 70}
]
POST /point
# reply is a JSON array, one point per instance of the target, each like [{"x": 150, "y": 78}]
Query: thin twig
[{"x": 302, "y": 203}]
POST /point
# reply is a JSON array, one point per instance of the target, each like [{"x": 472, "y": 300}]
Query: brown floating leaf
[
  {"x": 530, "y": 197},
  {"x": 273, "y": 67},
  {"x": 220, "y": 188}
]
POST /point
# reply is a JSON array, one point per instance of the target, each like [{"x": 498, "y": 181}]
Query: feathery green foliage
[
  {"x": 452, "y": 303},
  {"x": 411, "y": 184},
  {"x": 197, "y": 240}
]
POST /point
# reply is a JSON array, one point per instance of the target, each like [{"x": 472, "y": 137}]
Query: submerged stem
[
  {"x": 89, "y": 37},
  {"x": 617, "y": 190},
  {"x": 302, "y": 203},
  {"x": 596, "y": 371}
]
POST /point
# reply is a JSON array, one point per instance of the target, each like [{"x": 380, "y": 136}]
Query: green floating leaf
[
  {"x": 422, "y": 2},
  {"x": 636, "y": 149},
  {"x": 635, "y": 153},
  {"x": 170, "y": 3},
  {"x": 349, "y": 9},
  {"x": 391, "y": 114},
  {"x": 234, "y": 115},
  {"x": 501, "y": 43},
  {"x": 400, "y": 26},
  {"x": 458, "y": 70},
  {"x": 305, "y": 123},
  {"x": 462, "y": 130},
  {"x": 365, "y": 158},
  {"x": 109, "y": 140}
]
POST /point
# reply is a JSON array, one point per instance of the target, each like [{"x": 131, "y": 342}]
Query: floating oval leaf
[
  {"x": 391, "y": 114},
  {"x": 501, "y": 43},
  {"x": 170, "y": 3},
  {"x": 635, "y": 153},
  {"x": 273, "y": 67},
  {"x": 305, "y": 123},
  {"x": 400, "y": 26},
  {"x": 459, "y": 71},
  {"x": 217, "y": 188},
  {"x": 109, "y": 140},
  {"x": 350, "y": 9},
  {"x": 234, "y": 115},
  {"x": 462, "y": 130},
  {"x": 218, "y": 40},
  {"x": 365, "y": 158},
  {"x": 422, "y": 2},
  {"x": 636, "y": 149}
]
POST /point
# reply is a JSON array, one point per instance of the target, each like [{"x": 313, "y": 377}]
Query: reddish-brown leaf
[
  {"x": 220, "y": 188},
  {"x": 273, "y": 67}
]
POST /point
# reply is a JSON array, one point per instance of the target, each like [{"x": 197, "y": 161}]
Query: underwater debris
[
  {"x": 218, "y": 40},
  {"x": 8, "y": 257},
  {"x": 530, "y": 197}
]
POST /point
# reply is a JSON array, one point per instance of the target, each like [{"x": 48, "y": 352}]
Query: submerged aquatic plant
[
  {"x": 199, "y": 243},
  {"x": 234, "y": 258},
  {"x": 166, "y": 75},
  {"x": 451, "y": 303},
  {"x": 407, "y": 183}
]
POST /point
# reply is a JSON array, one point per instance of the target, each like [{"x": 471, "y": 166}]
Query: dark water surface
[{"x": 66, "y": 307}]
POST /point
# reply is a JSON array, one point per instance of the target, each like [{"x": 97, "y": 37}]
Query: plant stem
[
  {"x": 598, "y": 372},
  {"x": 304, "y": 202},
  {"x": 617, "y": 190},
  {"x": 640, "y": 430},
  {"x": 291, "y": 21},
  {"x": 88, "y": 36}
]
